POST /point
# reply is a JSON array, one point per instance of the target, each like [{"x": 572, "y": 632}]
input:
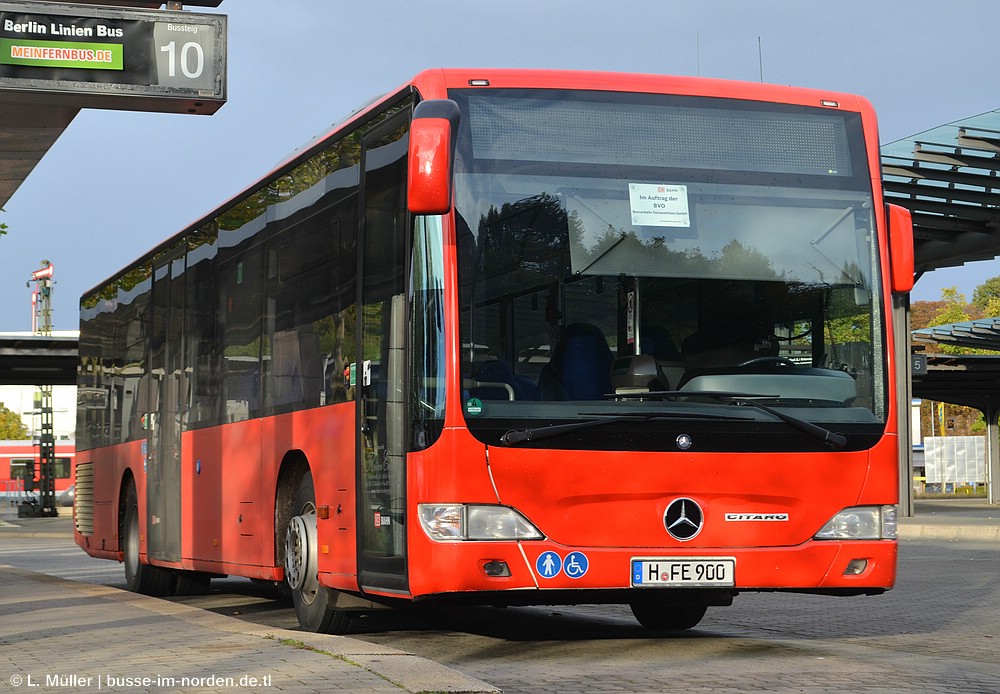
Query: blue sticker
[
  {"x": 548, "y": 564},
  {"x": 576, "y": 564}
]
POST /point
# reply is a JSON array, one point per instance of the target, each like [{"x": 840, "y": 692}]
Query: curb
[
  {"x": 10, "y": 528},
  {"x": 972, "y": 533},
  {"x": 4, "y": 532}
]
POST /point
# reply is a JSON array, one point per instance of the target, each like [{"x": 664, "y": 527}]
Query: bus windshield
[{"x": 626, "y": 257}]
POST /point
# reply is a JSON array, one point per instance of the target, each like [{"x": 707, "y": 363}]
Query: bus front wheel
[
  {"x": 667, "y": 616},
  {"x": 314, "y": 604}
]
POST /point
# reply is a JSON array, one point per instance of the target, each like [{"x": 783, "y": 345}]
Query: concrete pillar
[{"x": 992, "y": 452}]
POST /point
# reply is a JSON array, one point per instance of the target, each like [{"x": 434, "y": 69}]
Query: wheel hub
[{"x": 300, "y": 554}]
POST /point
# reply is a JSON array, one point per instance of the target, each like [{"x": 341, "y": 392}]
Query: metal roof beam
[
  {"x": 954, "y": 158},
  {"x": 980, "y": 142},
  {"x": 927, "y": 233},
  {"x": 911, "y": 172},
  {"x": 978, "y": 198},
  {"x": 973, "y": 212},
  {"x": 930, "y": 174},
  {"x": 937, "y": 226}
]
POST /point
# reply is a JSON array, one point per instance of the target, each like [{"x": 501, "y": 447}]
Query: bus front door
[{"x": 382, "y": 334}]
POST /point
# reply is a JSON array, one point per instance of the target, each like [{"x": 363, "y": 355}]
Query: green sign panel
[{"x": 104, "y": 57}]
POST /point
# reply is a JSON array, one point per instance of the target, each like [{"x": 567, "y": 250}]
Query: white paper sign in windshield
[{"x": 659, "y": 205}]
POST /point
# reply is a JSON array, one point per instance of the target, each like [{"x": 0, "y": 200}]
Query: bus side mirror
[
  {"x": 900, "y": 248},
  {"x": 431, "y": 157}
]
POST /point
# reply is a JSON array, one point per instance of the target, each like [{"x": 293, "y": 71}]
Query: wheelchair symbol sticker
[
  {"x": 576, "y": 564},
  {"x": 548, "y": 564}
]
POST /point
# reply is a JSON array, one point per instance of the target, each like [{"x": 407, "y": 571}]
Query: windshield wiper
[
  {"x": 515, "y": 436},
  {"x": 836, "y": 440}
]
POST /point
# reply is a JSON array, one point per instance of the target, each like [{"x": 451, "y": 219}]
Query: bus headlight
[
  {"x": 456, "y": 522},
  {"x": 861, "y": 523}
]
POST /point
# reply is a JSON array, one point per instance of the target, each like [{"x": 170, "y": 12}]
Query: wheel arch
[{"x": 294, "y": 466}]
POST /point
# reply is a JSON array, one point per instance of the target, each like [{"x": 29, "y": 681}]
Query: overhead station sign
[{"x": 104, "y": 57}]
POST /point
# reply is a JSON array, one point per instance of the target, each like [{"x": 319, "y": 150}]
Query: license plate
[{"x": 683, "y": 571}]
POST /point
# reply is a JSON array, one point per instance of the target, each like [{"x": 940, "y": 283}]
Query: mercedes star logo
[{"x": 683, "y": 519}]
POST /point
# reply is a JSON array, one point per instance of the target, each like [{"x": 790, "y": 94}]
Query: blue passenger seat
[{"x": 580, "y": 368}]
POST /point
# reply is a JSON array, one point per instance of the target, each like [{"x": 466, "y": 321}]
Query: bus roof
[{"x": 434, "y": 84}]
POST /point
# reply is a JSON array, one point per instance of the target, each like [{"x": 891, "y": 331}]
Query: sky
[{"x": 117, "y": 183}]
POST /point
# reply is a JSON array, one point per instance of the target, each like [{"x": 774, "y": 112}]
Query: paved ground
[{"x": 117, "y": 641}]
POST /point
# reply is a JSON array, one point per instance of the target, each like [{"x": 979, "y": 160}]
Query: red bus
[{"x": 516, "y": 337}]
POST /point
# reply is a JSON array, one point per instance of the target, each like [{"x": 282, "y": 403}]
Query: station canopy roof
[
  {"x": 948, "y": 178},
  {"x": 981, "y": 334}
]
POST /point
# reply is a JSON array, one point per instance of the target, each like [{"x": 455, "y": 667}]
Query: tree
[
  {"x": 952, "y": 307},
  {"x": 955, "y": 309},
  {"x": 922, "y": 313},
  {"x": 11, "y": 426},
  {"x": 987, "y": 297}
]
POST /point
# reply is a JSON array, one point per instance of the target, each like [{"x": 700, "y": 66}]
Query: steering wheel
[{"x": 781, "y": 361}]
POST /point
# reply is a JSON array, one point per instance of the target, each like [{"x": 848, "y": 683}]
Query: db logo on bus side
[{"x": 549, "y": 564}]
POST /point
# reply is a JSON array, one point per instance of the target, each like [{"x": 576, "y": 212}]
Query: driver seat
[{"x": 580, "y": 368}]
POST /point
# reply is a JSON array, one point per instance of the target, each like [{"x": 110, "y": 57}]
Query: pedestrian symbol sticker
[
  {"x": 548, "y": 564},
  {"x": 576, "y": 564}
]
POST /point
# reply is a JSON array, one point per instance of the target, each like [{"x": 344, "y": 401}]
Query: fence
[
  {"x": 12, "y": 495},
  {"x": 954, "y": 463}
]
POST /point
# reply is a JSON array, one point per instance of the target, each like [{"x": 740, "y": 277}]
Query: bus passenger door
[
  {"x": 382, "y": 349},
  {"x": 165, "y": 399}
]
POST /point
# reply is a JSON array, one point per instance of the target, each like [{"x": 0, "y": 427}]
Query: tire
[
  {"x": 314, "y": 604},
  {"x": 192, "y": 583},
  {"x": 666, "y": 616},
  {"x": 140, "y": 578}
]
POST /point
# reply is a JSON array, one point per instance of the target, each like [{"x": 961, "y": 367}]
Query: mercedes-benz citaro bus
[{"x": 516, "y": 337}]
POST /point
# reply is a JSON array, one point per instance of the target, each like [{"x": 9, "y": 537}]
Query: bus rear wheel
[
  {"x": 314, "y": 604},
  {"x": 140, "y": 578},
  {"x": 666, "y": 616}
]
